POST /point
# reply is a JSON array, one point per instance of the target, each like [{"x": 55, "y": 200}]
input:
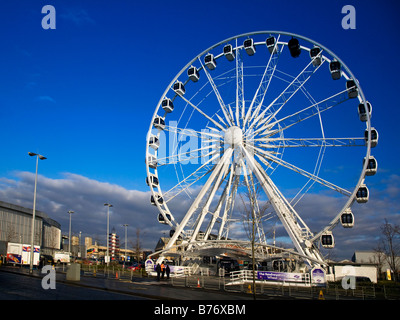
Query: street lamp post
[
  {"x": 125, "y": 225},
  {"x": 38, "y": 156},
  {"x": 69, "y": 237},
  {"x": 108, "y": 227}
]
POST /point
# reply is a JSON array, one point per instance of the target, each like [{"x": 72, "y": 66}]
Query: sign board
[
  {"x": 318, "y": 276},
  {"x": 280, "y": 276}
]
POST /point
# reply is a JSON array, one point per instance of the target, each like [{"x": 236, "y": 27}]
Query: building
[
  {"x": 16, "y": 223},
  {"x": 377, "y": 258},
  {"x": 95, "y": 251}
]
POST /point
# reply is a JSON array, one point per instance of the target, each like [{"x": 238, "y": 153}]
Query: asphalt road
[{"x": 22, "y": 287}]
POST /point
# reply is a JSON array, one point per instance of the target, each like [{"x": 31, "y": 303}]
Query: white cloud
[
  {"x": 87, "y": 196},
  {"x": 45, "y": 98},
  {"x": 77, "y": 16}
]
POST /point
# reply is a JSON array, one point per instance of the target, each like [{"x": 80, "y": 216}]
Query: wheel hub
[{"x": 233, "y": 136}]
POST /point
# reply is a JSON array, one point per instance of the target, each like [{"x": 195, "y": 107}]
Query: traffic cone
[
  {"x": 249, "y": 289},
  {"x": 198, "y": 283},
  {"x": 321, "y": 295},
  {"x": 116, "y": 275}
]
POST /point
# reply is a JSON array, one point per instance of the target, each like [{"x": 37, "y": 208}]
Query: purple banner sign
[{"x": 280, "y": 276}]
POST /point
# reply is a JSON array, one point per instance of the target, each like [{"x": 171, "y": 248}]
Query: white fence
[{"x": 269, "y": 277}]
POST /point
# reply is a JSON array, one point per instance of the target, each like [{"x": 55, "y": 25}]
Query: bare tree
[
  {"x": 137, "y": 246},
  {"x": 379, "y": 258},
  {"x": 252, "y": 213},
  {"x": 391, "y": 245}
]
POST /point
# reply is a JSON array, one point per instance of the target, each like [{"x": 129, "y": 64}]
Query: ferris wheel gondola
[{"x": 228, "y": 52}]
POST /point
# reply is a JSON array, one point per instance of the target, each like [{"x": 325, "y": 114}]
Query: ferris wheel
[{"x": 269, "y": 120}]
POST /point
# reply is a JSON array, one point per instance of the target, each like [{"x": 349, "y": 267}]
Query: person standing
[
  {"x": 158, "y": 270},
  {"x": 162, "y": 270},
  {"x": 167, "y": 270}
]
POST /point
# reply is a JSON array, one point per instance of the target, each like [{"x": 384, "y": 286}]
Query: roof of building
[{"x": 39, "y": 214}]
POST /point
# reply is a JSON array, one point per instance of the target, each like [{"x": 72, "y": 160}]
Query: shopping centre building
[{"x": 16, "y": 223}]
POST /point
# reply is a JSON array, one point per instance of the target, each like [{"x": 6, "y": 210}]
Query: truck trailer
[{"x": 18, "y": 253}]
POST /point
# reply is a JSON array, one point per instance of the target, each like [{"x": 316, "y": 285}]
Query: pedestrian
[
  {"x": 158, "y": 270},
  {"x": 167, "y": 270},
  {"x": 162, "y": 270},
  {"x": 41, "y": 262}
]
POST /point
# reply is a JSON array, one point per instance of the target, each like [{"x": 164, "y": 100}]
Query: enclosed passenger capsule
[
  {"x": 374, "y": 137},
  {"x": 210, "y": 62},
  {"x": 179, "y": 88},
  {"x": 347, "y": 219},
  {"x": 152, "y": 161},
  {"x": 315, "y": 56},
  {"x": 372, "y": 166},
  {"x": 152, "y": 181},
  {"x": 352, "y": 90},
  {"x": 271, "y": 45},
  {"x": 362, "y": 194},
  {"x": 159, "y": 123},
  {"x": 294, "y": 47},
  {"x": 159, "y": 198},
  {"x": 228, "y": 52},
  {"x": 193, "y": 74},
  {"x": 162, "y": 220},
  {"x": 364, "y": 112},
  {"x": 248, "y": 45},
  {"x": 154, "y": 142},
  {"x": 335, "y": 69},
  {"x": 327, "y": 240},
  {"x": 167, "y": 105}
]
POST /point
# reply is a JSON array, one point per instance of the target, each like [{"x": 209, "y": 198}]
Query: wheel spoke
[
  {"x": 285, "y": 96},
  {"x": 218, "y": 95},
  {"x": 186, "y": 156},
  {"x": 217, "y": 124},
  {"x": 262, "y": 153},
  {"x": 263, "y": 86},
  {"x": 311, "y": 111},
  {"x": 276, "y": 143},
  {"x": 190, "y": 179}
]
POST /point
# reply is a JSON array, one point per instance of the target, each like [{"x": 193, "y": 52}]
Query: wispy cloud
[
  {"x": 45, "y": 98},
  {"x": 78, "y": 17}
]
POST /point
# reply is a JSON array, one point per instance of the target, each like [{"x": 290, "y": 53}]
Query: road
[{"x": 22, "y": 287}]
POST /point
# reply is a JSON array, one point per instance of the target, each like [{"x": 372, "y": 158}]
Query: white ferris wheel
[{"x": 271, "y": 121}]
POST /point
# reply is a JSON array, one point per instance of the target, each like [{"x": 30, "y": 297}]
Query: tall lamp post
[
  {"x": 38, "y": 156},
  {"x": 69, "y": 237},
  {"x": 108, "y": 227},
  {"x": 125, "y": 225}
]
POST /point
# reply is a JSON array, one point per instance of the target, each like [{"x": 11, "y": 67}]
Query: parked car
[
  {"x": 47, "y": 259},
  {"x": 135, "y": 266}
]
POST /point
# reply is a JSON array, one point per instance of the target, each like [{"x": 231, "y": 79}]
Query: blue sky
[{"x": 84, "y": 94}]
